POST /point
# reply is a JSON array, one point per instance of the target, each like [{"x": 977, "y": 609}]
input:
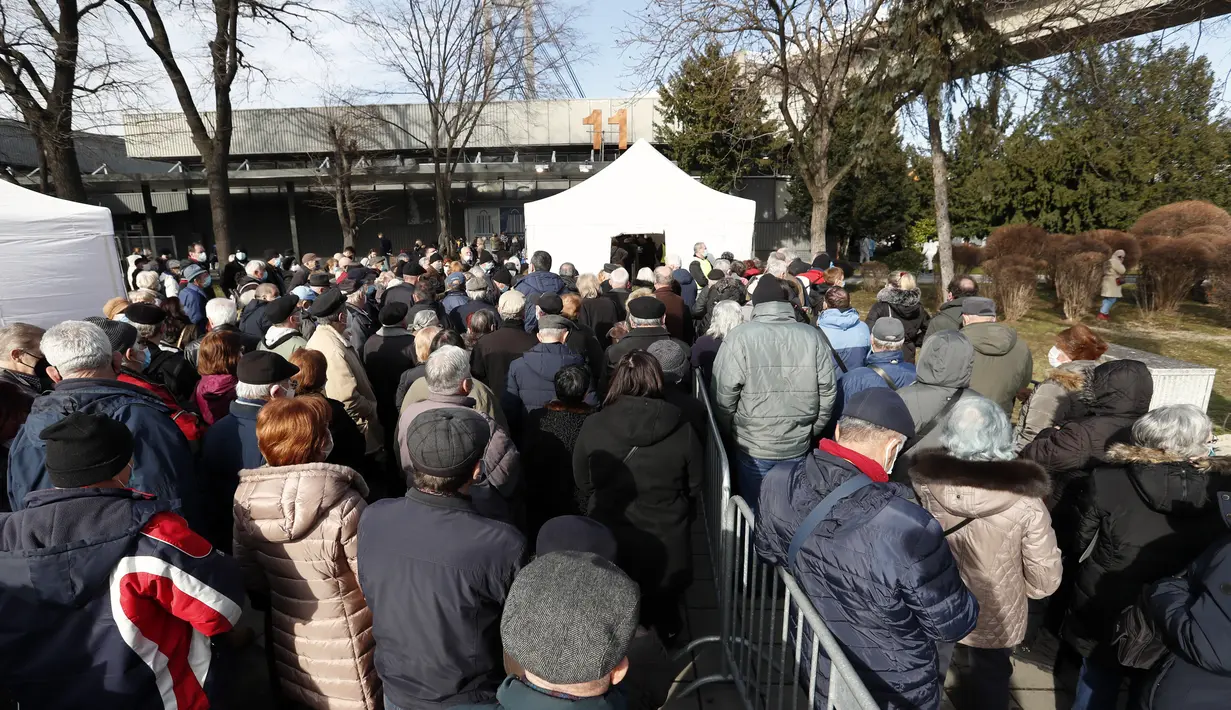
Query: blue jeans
[
  {"x": 751, "y": 471},
  {"x": 1107, "y": 304},
  {"x": 1098, "y": 685}
]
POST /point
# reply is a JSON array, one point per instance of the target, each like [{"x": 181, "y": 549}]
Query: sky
[{"x": 296, "y": 74}]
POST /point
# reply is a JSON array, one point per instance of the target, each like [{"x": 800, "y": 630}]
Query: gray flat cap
[
  {"x": 570, "y": 617},
  {"x": 888, "y": 330},
  {"x": 978, "y": 306}
]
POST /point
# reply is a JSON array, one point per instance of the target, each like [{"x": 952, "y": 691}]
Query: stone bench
[{"x": 1175, "y": 381}]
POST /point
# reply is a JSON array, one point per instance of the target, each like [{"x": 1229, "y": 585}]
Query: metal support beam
[
  {"x": 290, "y": 209},
  {"x": 147, "y": 206}
]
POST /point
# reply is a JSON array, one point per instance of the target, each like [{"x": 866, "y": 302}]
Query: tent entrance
[{"x": 634, "y": 251}]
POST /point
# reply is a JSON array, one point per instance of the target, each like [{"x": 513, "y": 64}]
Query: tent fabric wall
[
  {"x": 640, "y": 193},
  {"x": 58, "y": 259}
]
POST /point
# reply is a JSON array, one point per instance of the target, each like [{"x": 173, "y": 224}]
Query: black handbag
[{"x": 1138, "y": 644}]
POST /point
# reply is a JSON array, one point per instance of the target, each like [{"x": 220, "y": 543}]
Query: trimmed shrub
[
  {"x": 1179, "y": 217},
  {"x": 1077, "y": 267},
  {"x": 875, "y": 275},
  {"x": 1014, "y": 280},
  {"x": 1115, "y": 239},
  {"x": 966, "y": 257},
  {"x": 1169, "y": 269},
  {"x": 905, "y": 260},
  {"x": 1016, "y": 240}
]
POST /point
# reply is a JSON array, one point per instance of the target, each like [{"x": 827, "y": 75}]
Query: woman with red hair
[{"x": 1078, "y": 350}]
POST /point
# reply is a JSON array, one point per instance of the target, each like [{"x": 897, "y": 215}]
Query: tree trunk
[
  {"x": 820, "y": 219},
  {"x": 63, "y": 170},
  {"x": 219, "y": 206},
  {"x": 940, "y": 191},
  {"x": 443, "y": 190}
]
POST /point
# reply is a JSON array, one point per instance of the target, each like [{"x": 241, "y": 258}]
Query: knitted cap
[{"x": 84, "y": 449}]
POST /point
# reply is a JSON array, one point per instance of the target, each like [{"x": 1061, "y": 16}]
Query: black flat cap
[
  {"x": 884, "y": 408},
  {"x": 501, "y": 275},
  {"x": 551, "y": 304},
  {"x": 281, "y": 308},
  {"x": 327, "y": 303},
  {"x": 121, "y": 335},
  {"x": 145, "y": 314},
  {"x": 971, "y": 306},
  {"x": 393, "y": 313},
  {"x": 646, "y": 307},
  {"x": 413, "y": 269},
  {"x": 84, "y": 449},
  {"x": 319, "y": 280},
  {"x": 264, "y": 367}
]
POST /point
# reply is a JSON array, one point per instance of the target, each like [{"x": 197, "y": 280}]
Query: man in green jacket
[{"x": 1003, "y": 362}]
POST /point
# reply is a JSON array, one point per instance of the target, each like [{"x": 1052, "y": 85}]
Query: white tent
[
  {"x": 640, "y": 193},
  {"x": 57, "y": 258}
]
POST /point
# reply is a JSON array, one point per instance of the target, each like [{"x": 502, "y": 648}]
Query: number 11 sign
[{"x": 595, "y": 121}]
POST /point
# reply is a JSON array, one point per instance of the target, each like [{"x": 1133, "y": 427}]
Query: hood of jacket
[
  {"x": 546, "y": 359},
  {"x": 542, "y": 282},
  {"x": 1074, "y": 376},
  {"x": 978, "y": 489},
  {"x": 286, "y": 502},
  {"x": 1171, "y": 485},
  {"x": 838, "y": 320},
  {"x": 991, "y": 339},
  {"x": 277, "y": 335},
  {"x": 1121, "y": 388},
  {"x": 773, "y": 312},
  {"x": 101, "y": 395},
  {"x": 946, "y": 359},
  {"x": 683, "y": 277},
  {"x": 729, "y": 288},
  {"x": 903, "y": 301},
  {"x": 215, "y": 386},
  {"x": 642, "y": 421}
]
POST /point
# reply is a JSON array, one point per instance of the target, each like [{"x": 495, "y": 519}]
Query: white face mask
[
  {"x": 893, "y": 458},
  {"x": 1057, "y": 357},
  {"x": 328, "y": 446},
  {"x": 240, "y": 256}
]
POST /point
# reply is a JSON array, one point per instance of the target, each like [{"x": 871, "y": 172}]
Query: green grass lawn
[{"x": 1199, "y": 334}]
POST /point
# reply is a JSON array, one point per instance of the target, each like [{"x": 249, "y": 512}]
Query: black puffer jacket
[
  {"x": 903, "y": 305},
  {"x": 1121, "y": 392},
  {"x": 1148, "y": 515}
]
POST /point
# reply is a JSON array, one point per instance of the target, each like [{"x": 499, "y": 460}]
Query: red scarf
[{"x": 871, "y": 469}]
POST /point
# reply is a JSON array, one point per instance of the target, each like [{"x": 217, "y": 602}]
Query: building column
[
  {"x": 147, "y": 205},
  {"x": 290, "y": 209}
]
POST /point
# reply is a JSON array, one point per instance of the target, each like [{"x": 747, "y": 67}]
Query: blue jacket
[
  {"x": 452, "y": 301},
  {"x": 1193, "y": 616},
  {"x": 435, "y": 574},
  {"x": 850, "y": 337},
  {"x": 879, "y": 572},
  {"x": 162, "y": 461},
  {"x": 193, "y": 299},
  {"x": 533, "y": 285},
  {"x": 688, "y": 286},
  {"x": 229, "y": 447},
  {"x": 90, "y": 580},
  {"x": 532, "y": 377},
  {"x": 864, "y": 378}
]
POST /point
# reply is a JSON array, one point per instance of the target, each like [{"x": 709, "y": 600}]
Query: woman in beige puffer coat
[
  {"x": 991, "y": 508},
  {"x": 296, "y": 526}
]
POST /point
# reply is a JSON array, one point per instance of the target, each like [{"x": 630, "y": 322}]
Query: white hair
[
  {"x": 884, "y": 345},
  {"x": 722, "y": 265},
  {"x": 977, "y": 429},
  {"x": 618, "y": 278},
  {"x": 221, "y": 311},
  {"x": 697, "y": 247},
  {"x": 673, "y": 261},
  {"x": 662, "y": 276},
  {"x": 645, "y": 274},
  {"x": 1180, "y": 429},
  {"x": 146, "y": 331},
  {"x": 147, "y": 280},
  {"x": 447, "y": 369},
  {"x": 512, "y": 304},
  {"x": 727, "y": 314},
  {"x": 261, "y": 393},
  {"x": 852, "y": 429},
  {"x": 143, "y": 295},
  {"x": 253, "y": 267},
  {"x": 76, "y": 346},
  {"x": 776, "y": 266}
]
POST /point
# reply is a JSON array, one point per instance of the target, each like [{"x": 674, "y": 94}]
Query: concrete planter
[{"x": 1175, "y": 381}]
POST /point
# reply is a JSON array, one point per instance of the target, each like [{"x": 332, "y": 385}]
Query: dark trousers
[{"x": 982, "y": 678}]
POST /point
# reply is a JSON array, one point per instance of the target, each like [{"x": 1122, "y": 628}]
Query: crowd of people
[{"x": 470, "y": 480}]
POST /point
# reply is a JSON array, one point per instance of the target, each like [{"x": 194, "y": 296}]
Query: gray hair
[
  {"x": 645, "y": 273},
  {"x": 619, "y": 278},
  {"x": 861, "y": 430},
  {"x": 147, "y": 332},
  {"x": 147, "y": 280},
  {"x": 221, "y": 311},
  {"x": 776, "y": 266},
  {"x": 143, "y": 295},
  {"x": 76, "y": 346},
  {"x": 567, "y": 269},
  {"x": 265, "y": 292},
  {"x": 697, "y": 247},
  {"x": 19, "y": 336},
  {"x": 1180, "y": 429},
  {"x": 723, "y": 265},
  {"x": 673, "y": 261},
  {"x": 260, "y": 393},
  {"x": 727, "y": 315},
  {"x": 883, "y": 345},
  {"x": 587, "y": 285},
  {"x": 512, "y": 304},
  {"x": 478, "y": 295},
  {"x": 978, "y": 430},
  {"x": 253, "y": 267},
  {"x": 447, "y": 369},
  {"x": 662, "y": 276}
]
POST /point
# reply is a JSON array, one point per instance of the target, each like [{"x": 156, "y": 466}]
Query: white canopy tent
[
  {"x": 58, "y": 259},
  {"x": 640, "y": 193}
]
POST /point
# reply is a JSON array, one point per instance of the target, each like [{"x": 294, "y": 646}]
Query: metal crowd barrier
[{"x": 773, "y": 645}]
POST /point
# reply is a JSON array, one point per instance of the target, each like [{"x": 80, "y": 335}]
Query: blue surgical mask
[
  {"x": 208, "y": 280},
  {"x": 240, "y": 256}
]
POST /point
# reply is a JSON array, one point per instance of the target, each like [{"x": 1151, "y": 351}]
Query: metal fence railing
[{"x": 774, "y": 646}]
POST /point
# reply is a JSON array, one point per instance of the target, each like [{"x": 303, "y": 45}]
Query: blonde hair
[
  {"x": 423, "y": 342},
  {"x": 587, "y": 285},
  {"x": 903, "y": 281}
]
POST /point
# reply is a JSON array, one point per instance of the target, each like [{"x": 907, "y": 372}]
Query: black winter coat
[
  {"x": 548, "y": 438},
  {"x": 387, "y": 355},
  {"x": 903, "y": 305},
  {"x": 170, "y": 369},
  {"x": 599, "y": 314},
  {"x": 639, "y": 339},
  {"x": 1193, "y": 615},
  {"x": 1147, "y": 516},
  {"x": 494, "y": 352},
  {"x": 638, "y": 463}
]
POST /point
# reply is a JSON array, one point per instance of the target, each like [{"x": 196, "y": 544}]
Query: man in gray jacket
[{"x": 774, "y": 387}]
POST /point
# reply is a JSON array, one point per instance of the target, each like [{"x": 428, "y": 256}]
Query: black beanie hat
[
  {"x": 84, "y": 449},
  {"x": 769, "y": 288}
]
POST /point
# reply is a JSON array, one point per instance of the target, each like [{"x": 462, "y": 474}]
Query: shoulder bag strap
[
  {"x": 940, "y": 416},
  {"x": 822, "y": 509},
  {"x": 959, "y": 526},
  {"x": 836, "y": 356},
  {"x": 884, "y": 376}
]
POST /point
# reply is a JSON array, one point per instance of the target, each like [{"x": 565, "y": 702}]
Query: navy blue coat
[
  {"x": 533, "y": 285},
  {"x": 531, "y": 383},
  {"x": 435, "y": 574},
  {"x": 193, "y": 299},
  {"x": 162, "y": 461},
  {"x": 879, "y": 572},
  {"x": 452, "y": 301},
  {"x": 229, "y": 447},
  {"x": 1193, "y": 615},
  {"x": 688, "y": 286},
  {"x": 854, "y": 381}
]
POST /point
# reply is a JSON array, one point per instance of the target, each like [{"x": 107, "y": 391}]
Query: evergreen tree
[{"x": 715, "y": 123}]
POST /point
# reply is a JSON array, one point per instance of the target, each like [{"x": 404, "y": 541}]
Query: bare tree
[
  {"x": 458, "y": 57},
  {"x": 47, "y": 63},
  {"x": 348, "y": 133},
  {"x": 226, "y": 59}
]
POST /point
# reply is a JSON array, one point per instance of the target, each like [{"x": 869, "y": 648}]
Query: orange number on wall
[
  {"x": 621, "y": 119},
  {"x": 595, "y": 119}
]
